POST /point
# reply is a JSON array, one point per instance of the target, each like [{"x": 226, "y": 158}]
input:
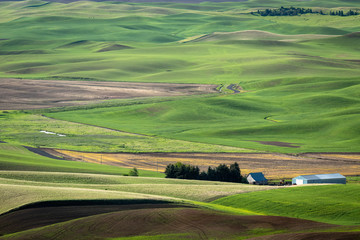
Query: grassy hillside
[
  {"x": 81, "y": 40},
  {"x": 310, "y": 120},
  {"x": 174, "y": 223},
  {"x": 21, "y": 187},
  {"x": 214, "y": 62},
  {"x": 304, "y": 90},
  {"x": 14, "y": 196},
  {"x": 337, "y": 204},
  {"x": 33, "y": 130},
  {"x": 15, "y": 157}
]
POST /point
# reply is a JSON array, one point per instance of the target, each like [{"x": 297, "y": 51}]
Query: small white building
[{"x": 257, "y": 178}]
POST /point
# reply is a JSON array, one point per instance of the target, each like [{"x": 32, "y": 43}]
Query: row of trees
[
  {"x": 221, "y": 173},
  {"x": 284, "y": 11},
  {"x": 292, "y": 11},
  {"x": 342, "y": 13}
]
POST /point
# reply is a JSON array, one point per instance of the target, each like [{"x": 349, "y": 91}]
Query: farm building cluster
[{"x": 333, "y": 178}]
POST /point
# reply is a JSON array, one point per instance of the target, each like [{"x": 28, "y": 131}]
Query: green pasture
[
  {"x": 337, "y": 204},
  {"x": 14, "y": 196},
  {"x": 140, "y": 42},
  {"x": 313, "y": 121},
  {"x": 15, "y": 157},
  {"x": 91, "y": 179},
  {"x": 26, "y": 129},
  {"x": 307, "y": 91},
  {"x": 223, "y": 60},
  {"x": 355, "y": 179}
]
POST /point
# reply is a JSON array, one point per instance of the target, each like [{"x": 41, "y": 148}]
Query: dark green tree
[
  {"x": 170, "y": 171},
  {"x": 235, "y": 173},
  {"x": 182, "y": 171},
  {"x": 203, "y": 176},
  {"x": 211, "y": 174},
  {"x": 223, "y": 173}
]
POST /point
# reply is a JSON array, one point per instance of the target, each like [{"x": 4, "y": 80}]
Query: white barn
[
  {"x": 319, "y": 178},
  {"x": 257, "y": 178}
]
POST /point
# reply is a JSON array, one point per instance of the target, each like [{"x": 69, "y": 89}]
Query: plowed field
[
  {"x": 153, "y": 219},
  {"x": 34, "y": 94}
]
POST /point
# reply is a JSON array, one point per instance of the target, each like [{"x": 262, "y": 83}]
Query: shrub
[{"x": 134, "y": 172}]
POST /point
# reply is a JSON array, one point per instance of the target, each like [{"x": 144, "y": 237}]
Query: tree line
[
  {"x": 292, "y": 11},
  {"x": 342, "y": 13},
  {"x": 220, "y": 173}
]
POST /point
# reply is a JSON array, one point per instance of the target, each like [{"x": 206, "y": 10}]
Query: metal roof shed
[
  {"x": 257, "y": 178},
  {"x": 320, "y": 178}
]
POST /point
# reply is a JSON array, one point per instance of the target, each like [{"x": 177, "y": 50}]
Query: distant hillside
[
  {"x": 254, "y": 35},
  {"x": 148, "y": 1}
]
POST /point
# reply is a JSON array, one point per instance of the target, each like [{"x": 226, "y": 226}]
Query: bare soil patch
[
  {"x": 152, "y": 220},
  {"x": 311, "y": 236},
  {"x": 18, "y": 94},
  {"x": 235, "y": 88},
  {"x": 273, "y": 165},
  {"x": 114, "y": 47},
  {"x": 279, "y": 144},
  {"x": 147, "y": 1},
  {"x": 35, "y": 216},
  {"x": 42, "y": 153}
]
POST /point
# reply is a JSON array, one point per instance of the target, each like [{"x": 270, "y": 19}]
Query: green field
[
  {"x": 311, "y": 122},
  {"x": 337, "y": 204},
  {"x": 26, "y": 129},
  {"x": 69, "y": 45},
  {"x": 34, "y": 186},
  {"x": 18, "y": 158}
]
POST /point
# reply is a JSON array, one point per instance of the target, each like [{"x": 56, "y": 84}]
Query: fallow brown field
[
  {"x": 274, "y": 165},
  {"x": 18, "y": 94}
]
